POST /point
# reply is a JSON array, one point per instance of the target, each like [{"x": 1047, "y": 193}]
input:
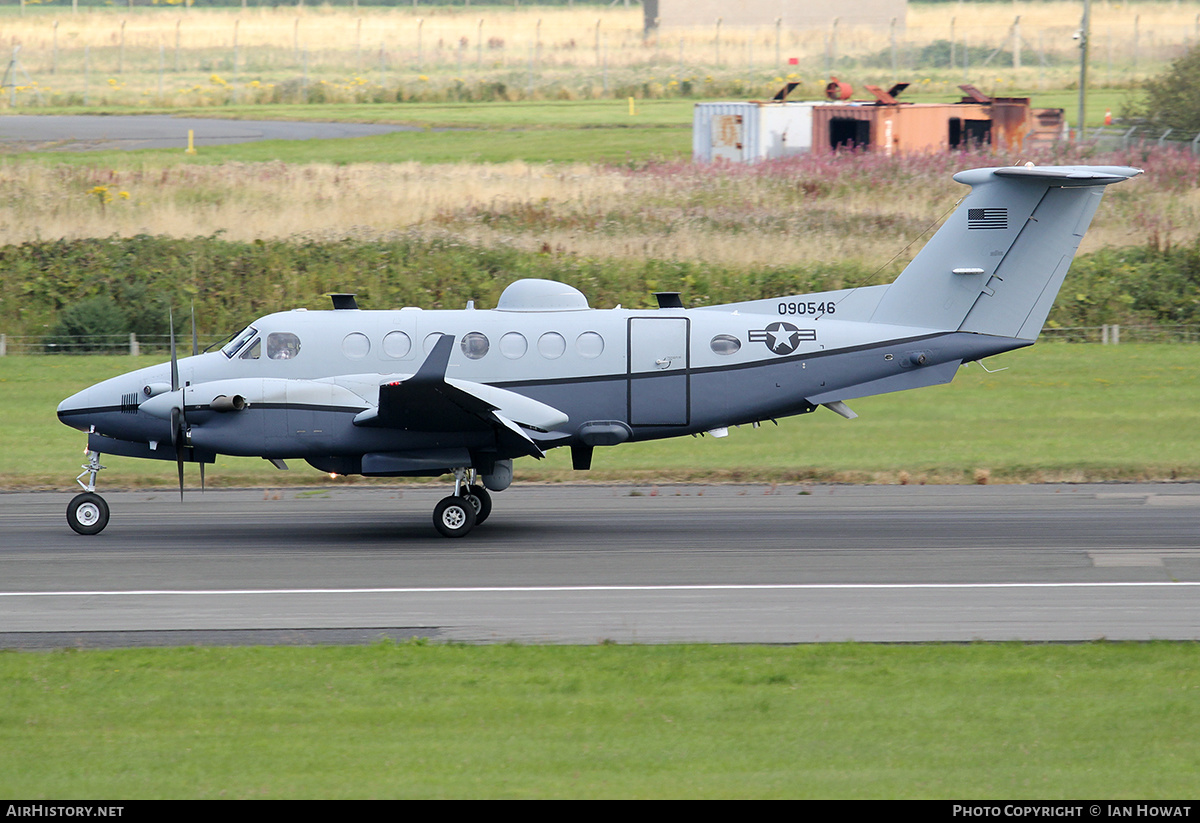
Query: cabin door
[{"x": 658, "y": 371}]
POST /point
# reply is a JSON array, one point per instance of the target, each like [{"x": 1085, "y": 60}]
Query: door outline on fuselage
[{"x": 658, "y": 357}]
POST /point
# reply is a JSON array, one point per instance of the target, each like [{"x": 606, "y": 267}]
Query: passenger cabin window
[
  {"x": 475, "y": 345},
  {"x": 725, "y": 344},
  {"x": 282, "y": 345},
  {"x": 231, "y": 348}
]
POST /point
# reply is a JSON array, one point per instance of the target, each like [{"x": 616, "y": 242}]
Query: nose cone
[{"x": 74, "y": 411}]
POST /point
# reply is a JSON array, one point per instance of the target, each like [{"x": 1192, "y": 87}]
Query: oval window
[
  {"x": 396, "y": 344},
  {"x": 589, "y": 345},
  {"x": 514, "y": 345},
  {"x": 356, "y": 346},
  {"x": 551, "y": 345},
  {"x": 430, "y": 341},
  {"x": 725, "y": 344},
  {"x": 475, "y": 345}
]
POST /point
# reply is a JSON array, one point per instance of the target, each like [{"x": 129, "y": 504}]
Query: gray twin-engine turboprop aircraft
[{"x": 412, "y": 392}]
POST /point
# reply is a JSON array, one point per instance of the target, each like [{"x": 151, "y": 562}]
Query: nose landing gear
[{"x": 87, "y": 513}]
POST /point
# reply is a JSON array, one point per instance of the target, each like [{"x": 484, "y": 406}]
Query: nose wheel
[{"x": 87, "y": 513}]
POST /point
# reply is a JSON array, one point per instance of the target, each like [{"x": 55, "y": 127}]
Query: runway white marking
[{"x": 641, "y": 588}]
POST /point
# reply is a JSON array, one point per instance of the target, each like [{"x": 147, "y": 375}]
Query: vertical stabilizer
[{"x": 998, "y": 262}]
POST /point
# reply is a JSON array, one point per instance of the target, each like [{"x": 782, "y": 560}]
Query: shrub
[{"x": 1173, "y": 98}]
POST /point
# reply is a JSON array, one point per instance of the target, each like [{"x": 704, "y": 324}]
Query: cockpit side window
[
  {"x": 231, "y": 348},
  {"x": 253, "y": 351},
  {"x": 282, "y": 345}
]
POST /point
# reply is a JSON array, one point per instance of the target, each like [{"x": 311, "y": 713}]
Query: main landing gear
[
  {"x": 87, "y": 513},
  {"x": 470, "y": 505},
  {"x": 454, "y": 516}
]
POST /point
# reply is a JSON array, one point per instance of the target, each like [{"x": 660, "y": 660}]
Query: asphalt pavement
[{"x": 585, "y": 564}]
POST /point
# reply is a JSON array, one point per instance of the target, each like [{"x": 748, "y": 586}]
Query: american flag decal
[{"x": 987, "y": 219}]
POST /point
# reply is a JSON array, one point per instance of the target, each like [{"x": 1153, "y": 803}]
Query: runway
[
  {"x": 588, "y": 564},
  {"x": 86, "y": 132}
]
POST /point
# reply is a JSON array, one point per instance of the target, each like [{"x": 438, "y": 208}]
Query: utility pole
[{"x": 1084, "y": 28}]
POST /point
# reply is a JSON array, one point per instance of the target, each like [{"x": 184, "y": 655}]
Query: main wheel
[
  {"x": 87, "y": 513},
  {"x": 454, "y": 516},
  {"x": 481, "y": 501}
]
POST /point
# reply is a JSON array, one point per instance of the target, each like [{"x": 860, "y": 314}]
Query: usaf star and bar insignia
[{"x": 781, "y": 338}]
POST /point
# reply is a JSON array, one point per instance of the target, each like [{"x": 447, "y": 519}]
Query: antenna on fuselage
[{"x": 343, "y": 302}]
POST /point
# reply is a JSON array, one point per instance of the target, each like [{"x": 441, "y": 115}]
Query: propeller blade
[
  {"x": 202, "y": 477},
  {"x": 178, "y": 423},
  {"x": 174, "y": 358},
  {"x": 179, "y": 465},
  {"x": 195, "y": 342}
]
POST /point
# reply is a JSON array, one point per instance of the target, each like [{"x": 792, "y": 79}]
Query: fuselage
[{"x": 615, "y": 374}]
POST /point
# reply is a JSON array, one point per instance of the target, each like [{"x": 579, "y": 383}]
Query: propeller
[
  {"x": 195, "y": 352},
  {"x": 178, "y": 414}
]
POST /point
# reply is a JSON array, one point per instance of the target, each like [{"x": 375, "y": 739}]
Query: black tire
[
  {"x": 87, "y": 513},
  {"x": 482, "y": 501},
  {"x": 454, "y": 516}
]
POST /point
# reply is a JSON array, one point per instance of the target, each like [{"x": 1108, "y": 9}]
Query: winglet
[{"x": 433, "y": 370}]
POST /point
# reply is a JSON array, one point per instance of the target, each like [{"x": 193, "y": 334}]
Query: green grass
[
  {"x": 489, "y": 132},
  {"x": 587, "y": 131},
  {"x": 1074, "y": 412},
  {"x": 612, "y": 145},
  {"x": 1096, "y": 720}
]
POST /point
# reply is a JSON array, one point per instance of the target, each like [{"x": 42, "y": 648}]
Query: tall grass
[{"x": 854, "y": 209}]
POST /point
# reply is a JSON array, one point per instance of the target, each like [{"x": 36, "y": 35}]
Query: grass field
[
  {"x": 1099, "y": 720},
  {"x": 1061, "y": 412},
  {"x": 211, "y": 57}
]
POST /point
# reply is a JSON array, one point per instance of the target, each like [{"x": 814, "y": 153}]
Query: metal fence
[
  {"x": 130, "y": 344},
  {"x": 161, "y": 344},
  {"x": 1115, "y": 334},
  {"x": 1127, "y": 137}
]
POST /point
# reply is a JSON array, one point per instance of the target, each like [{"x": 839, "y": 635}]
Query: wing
[{"x": 429, "y": 401}]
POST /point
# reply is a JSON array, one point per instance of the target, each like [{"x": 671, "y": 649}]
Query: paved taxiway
[
  {"x": 590, "y": 563},
  {"x": 86, "y": 132}
]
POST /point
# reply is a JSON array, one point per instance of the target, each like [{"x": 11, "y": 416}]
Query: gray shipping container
[{"x": 746, "y": 132}]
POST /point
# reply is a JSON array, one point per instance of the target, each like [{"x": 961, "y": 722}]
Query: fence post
[
  {"x": 134, "y": 348},
  {"x": 3, "y": 345},
  {"x": 1104, "y": 334},
  {"x": 1116, "y": 334}
]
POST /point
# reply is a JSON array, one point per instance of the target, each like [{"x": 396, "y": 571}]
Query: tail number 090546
[{"x": 811, "y": 307}]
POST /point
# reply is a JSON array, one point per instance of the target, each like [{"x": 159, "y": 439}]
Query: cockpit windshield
[{"x": 234, "y": 345}]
